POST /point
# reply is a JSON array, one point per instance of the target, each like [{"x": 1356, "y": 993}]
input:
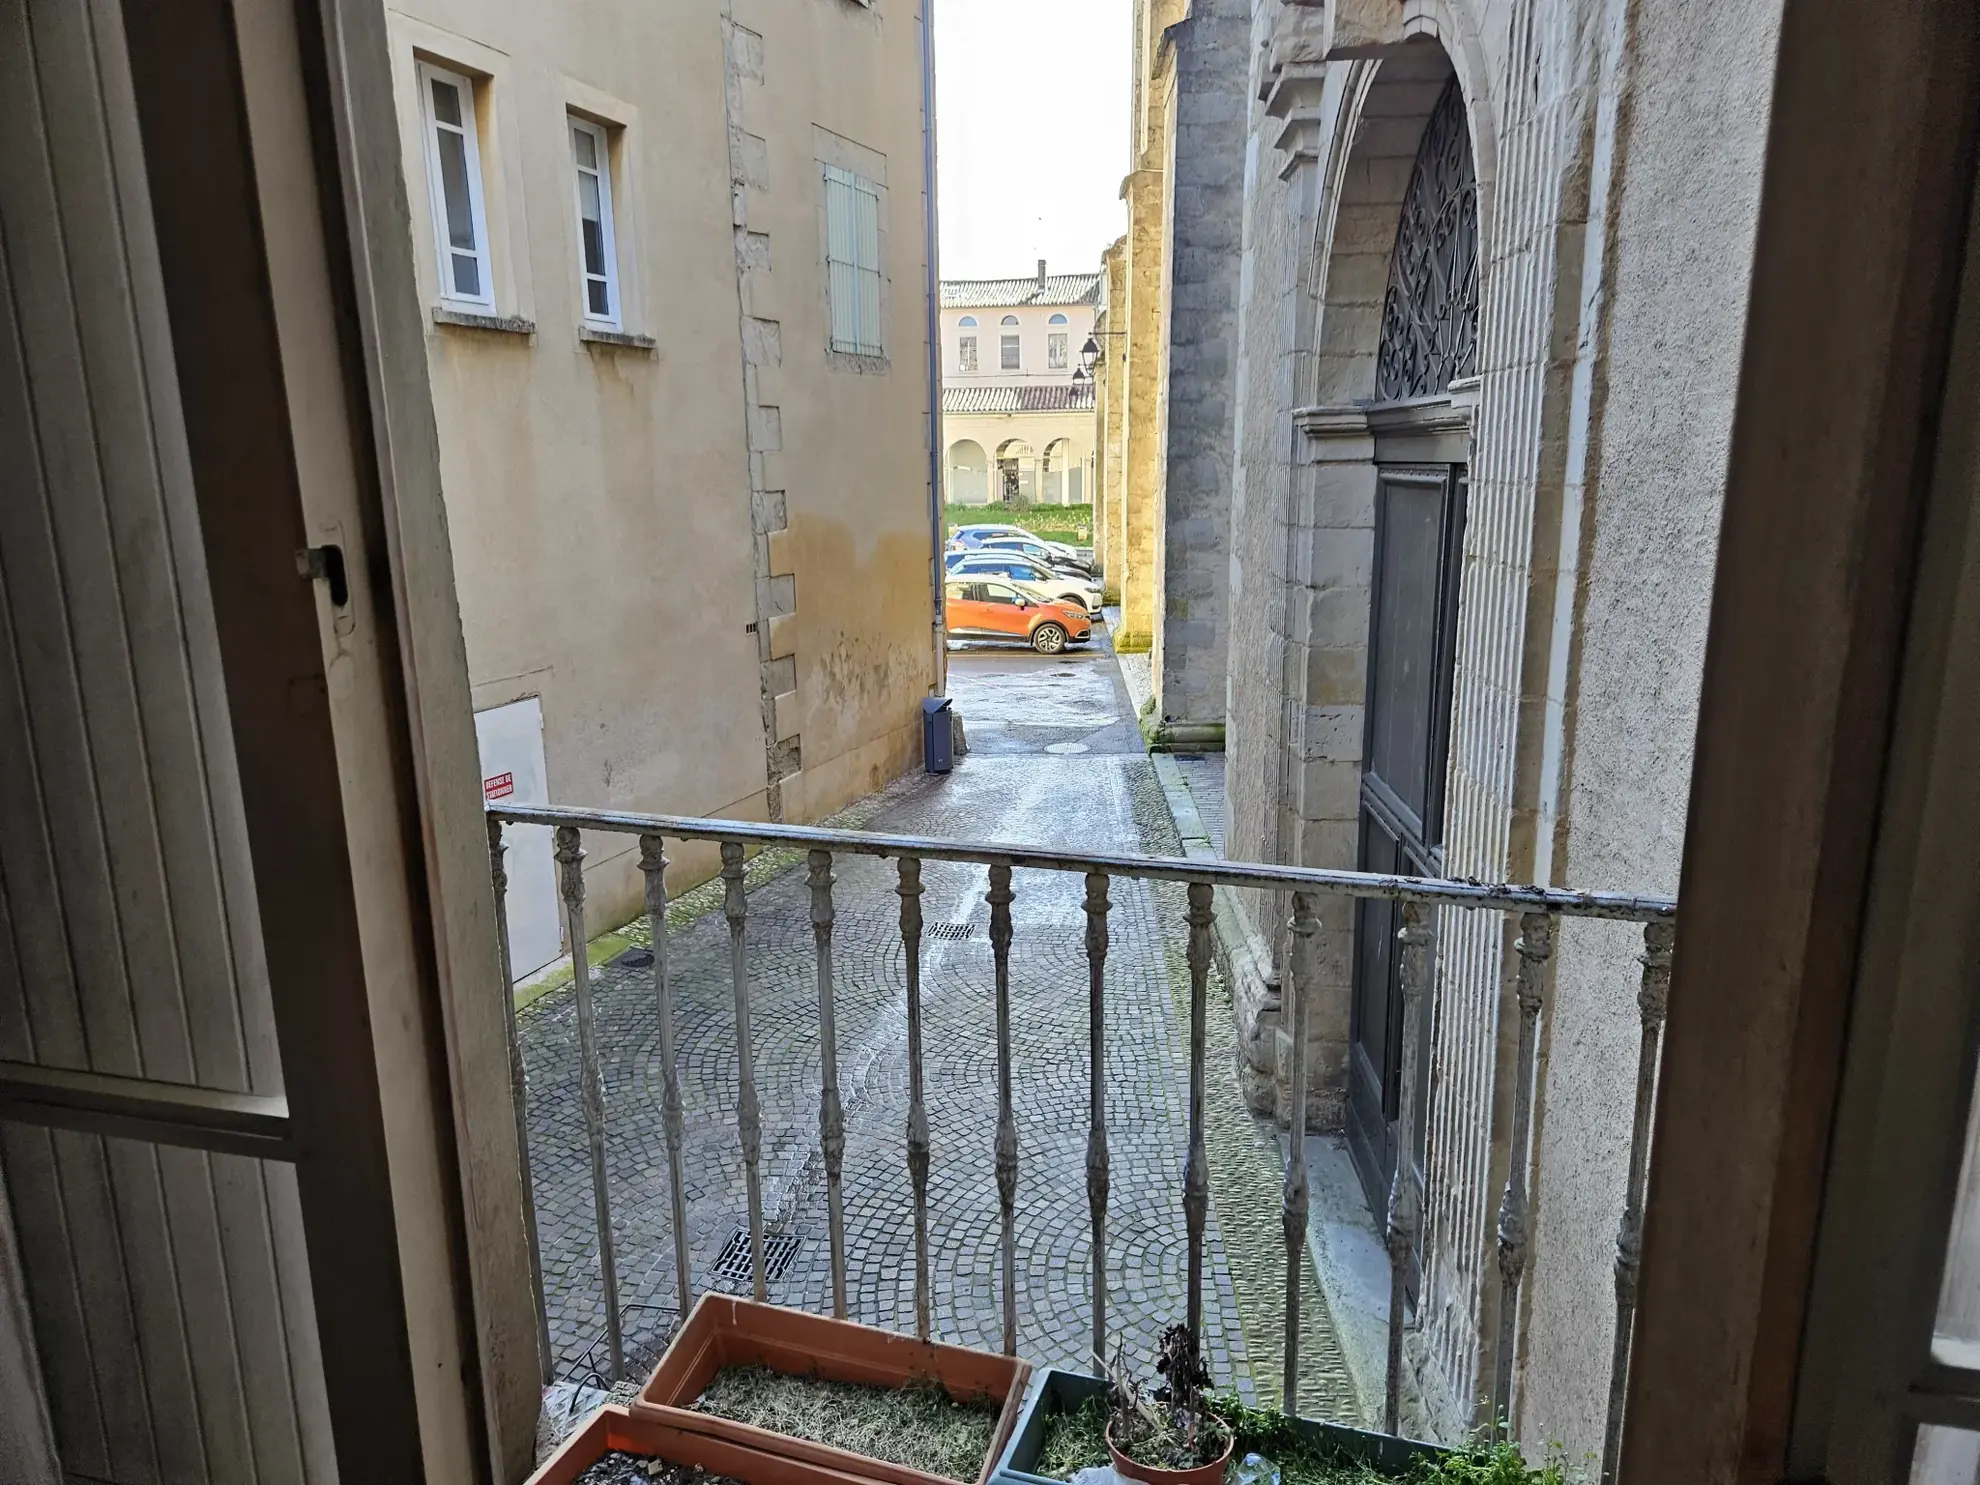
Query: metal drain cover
[
  {"x": 732, "y": 1267},
  {"x": 949, "y": 930}
]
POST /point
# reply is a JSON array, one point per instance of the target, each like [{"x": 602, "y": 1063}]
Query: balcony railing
[{"x": 1538, "y": 911}]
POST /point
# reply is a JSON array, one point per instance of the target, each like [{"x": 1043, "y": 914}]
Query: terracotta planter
[
  {"x": 725, "y": 1331},
  {"x": 614, "y": 1428},
  {"x": 1203, "y": 1474}
]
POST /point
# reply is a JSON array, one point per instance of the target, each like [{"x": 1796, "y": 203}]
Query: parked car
[
  {"x": 991, "y": 609},
  {"x": 1037, "y": 551},
  {"x": 1033, "y": 579},
  {"x": 976, "y": 538}
]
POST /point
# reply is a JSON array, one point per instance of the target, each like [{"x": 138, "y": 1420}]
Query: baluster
[
  {"x": 1405, "y": 1199},
  {"x": 917, "y": 1128},
  {"x": 1299, "y": 989},
  {"x": 1096, "y": 1083},
  {"x": 1653, "y": 998},
  {"x": 519, "y": 1089},
  {"x": 1196, "y": 1167},
  {"x": 831, "y": 1119},
  {"x": 653, "y": 862},
  {"x": 570, "y": 862},
  {"x": 999, "y": 898},
  {"x": 749, "y": 1118},
  {"x": 1535, "y": 947}
]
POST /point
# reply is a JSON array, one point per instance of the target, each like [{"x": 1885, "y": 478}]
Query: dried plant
[{"x": 1173, "y": 1427}]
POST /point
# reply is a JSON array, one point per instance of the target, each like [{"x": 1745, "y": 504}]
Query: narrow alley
[{"x": 1055, "y": 757}]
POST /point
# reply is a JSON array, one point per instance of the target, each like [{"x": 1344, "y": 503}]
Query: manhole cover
[
  {"x": 949, "y": 930},
  {"x": 779, "y": 1248},
  {"x": 635, "y": 958}
]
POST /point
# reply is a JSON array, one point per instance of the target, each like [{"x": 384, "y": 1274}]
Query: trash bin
[{"x": 936, "y": 739}]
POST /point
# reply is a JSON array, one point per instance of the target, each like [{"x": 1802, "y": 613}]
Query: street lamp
[{"x": 1088, "y": 354}]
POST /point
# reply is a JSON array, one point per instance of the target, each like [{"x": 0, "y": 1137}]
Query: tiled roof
[
  {"x": 1052, "y": 397},
  {"x": 995, "y": 293}
]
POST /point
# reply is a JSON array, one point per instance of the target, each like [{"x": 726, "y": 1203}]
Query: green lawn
[{"x": 1072, "y": 524}]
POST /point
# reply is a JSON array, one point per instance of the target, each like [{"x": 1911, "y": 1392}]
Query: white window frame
[
  {"x": 853, "y": 284},
  {"x": 966, "y": 358},
  {"x": 1010, "y": 348},
  {"x": 602, "y": 142},
  {"x": 1058, "y": 343},
  {"x": 469, "y": 129}
]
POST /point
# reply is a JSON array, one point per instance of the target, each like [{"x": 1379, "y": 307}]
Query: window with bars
[
  {"x": 966, "y": 353},
  {"x": 598, "y": 267},
  {"x": 453, "y": 178},
  {"x": 1055, "y": 351},
  {"x": 852, "y": 261}
]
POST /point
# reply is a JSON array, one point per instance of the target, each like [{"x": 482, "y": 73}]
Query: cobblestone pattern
[
  {"x": 1146, "y": 1068},
  {"x": 1205, "y": 776}
]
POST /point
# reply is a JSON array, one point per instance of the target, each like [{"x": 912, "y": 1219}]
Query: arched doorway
[
  {"x": 1017, "y": 473},
  {"x": 1428, "y": 341},
  {"x": 1061, "y": 474},
  {"x": 969, "y": 473}
]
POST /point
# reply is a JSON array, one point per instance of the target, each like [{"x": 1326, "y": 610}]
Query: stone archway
[
  {"x": 969, "y": 473},
  {"x": 1061, "y": 480},
  {"x": 1017, "y": 473}
]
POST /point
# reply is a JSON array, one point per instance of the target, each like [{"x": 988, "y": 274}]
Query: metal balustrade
[{"x": 1538, "y": 909}]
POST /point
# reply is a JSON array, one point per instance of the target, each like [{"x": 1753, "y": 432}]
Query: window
[
  {"x": 453, "y": 178},
  {"x": 598, "y": 263},
  {"x": 967, "y": 322},
  {"x": 1009, "y": 347},
  {"x": 852, "y": 261},
  {"x": 998, "y": 593},
  {"x": 1055, "y": 345},
  {"x": 966, "y": 353},
  {"x": 954, "y": 592}
]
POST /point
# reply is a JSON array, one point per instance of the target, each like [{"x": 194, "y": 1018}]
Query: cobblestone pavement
[{"x": 1055, "y": 758}]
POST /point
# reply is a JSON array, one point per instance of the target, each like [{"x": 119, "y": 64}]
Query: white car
[
  {"x": 1030, "y": 578},
  {"x": 992, "y": 538}
]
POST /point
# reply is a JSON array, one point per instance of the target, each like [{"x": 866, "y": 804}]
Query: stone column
[
  {"x": 1207, "y": 120},
  {"x": 1142, "y": 475}
]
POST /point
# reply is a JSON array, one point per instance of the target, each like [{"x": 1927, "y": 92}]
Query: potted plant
[
  {"x": 1063, "y": 1430},
  {"x": 844, "y": 1397},
  {"x": 1171, "y": 1436}
]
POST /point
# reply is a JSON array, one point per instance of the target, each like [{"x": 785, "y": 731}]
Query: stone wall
[{"x": 1680, "y": 147}]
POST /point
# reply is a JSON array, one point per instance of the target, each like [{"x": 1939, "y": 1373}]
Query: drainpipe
[{"x": 935, "y": 533}]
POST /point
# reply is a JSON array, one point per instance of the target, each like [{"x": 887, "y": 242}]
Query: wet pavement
[{"x": 1054, "y": 759}]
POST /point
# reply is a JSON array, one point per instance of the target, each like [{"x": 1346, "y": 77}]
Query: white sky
[{"x": 1031, "y": 118}]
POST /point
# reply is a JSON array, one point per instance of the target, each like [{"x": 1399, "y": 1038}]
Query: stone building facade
[
  {"x": 1489, "y": 294},
  {"x": 678, "y": 273}
]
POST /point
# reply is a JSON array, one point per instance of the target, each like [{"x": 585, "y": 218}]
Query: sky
[{"x": 1031, "y": 121}]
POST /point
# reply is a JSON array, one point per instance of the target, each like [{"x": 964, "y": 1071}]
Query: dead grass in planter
[
  {"x": 619, "y": 1468},
  {"x": 919, "y": 1426}
]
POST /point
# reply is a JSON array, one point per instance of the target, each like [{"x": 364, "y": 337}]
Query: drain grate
[
  {"x": 779, "y": 1248},
  {"x": 949, "y": 930}
]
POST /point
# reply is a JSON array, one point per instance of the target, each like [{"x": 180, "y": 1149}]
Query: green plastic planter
[{"x": 1054, "y": 1392}]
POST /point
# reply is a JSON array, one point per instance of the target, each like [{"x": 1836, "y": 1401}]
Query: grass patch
[
  {"x": 1078, "y": 1440},
  {"x": 919, "y": 1426},
  {"x": 1072, "y": 524}
]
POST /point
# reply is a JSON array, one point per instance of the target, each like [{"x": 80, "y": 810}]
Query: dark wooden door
[{"x": 1419, "y": 536}]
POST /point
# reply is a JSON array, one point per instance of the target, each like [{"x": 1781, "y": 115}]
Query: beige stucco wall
[
  {"x": 1033, "y": 329},
  {"x": 612, "y": 539}
]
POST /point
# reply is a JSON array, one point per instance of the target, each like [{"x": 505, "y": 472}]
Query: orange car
[{"x": 993, "y": 610}]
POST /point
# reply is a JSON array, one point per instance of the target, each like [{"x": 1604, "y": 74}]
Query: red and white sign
[{"x": 499, "y": 787}]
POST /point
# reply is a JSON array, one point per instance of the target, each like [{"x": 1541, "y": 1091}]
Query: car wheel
[{"x": 1048, "y": 639}]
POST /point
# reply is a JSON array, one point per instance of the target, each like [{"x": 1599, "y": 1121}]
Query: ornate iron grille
[{"x": 1430, "y": 314}]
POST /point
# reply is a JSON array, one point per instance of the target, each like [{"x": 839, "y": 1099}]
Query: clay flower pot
[
  {"x": 724, "y": 1331},
  {"x": 613, "y": 1428},
  {"x": 1202, "y": 1474}
]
